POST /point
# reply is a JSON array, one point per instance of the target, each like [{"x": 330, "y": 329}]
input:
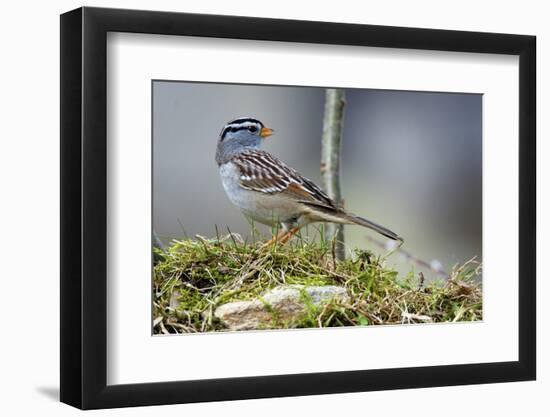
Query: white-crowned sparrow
[{"x": 269, "y": 191}]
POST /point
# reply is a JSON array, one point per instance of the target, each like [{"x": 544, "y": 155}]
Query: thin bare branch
[{"x": 330, "y": 160}]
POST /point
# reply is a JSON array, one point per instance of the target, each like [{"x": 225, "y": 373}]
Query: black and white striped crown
[{"x": 241, "y": 123}]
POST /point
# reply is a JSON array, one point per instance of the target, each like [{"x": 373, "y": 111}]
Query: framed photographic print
[{"x": 258, "y": 208}]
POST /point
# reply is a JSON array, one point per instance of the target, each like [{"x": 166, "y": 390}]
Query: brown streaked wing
[{"x": 264, "y": 173}]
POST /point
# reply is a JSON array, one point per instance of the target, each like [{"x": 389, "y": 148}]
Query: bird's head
[{"x": 243, "y": 132}]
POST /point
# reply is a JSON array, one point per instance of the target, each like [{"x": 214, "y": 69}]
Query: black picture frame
[{"x": 84, "y": 207}]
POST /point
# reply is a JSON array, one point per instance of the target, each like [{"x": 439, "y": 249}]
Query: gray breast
[{"x": 265, "y": 208}]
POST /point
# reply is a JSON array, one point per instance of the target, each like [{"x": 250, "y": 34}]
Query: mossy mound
[{"x": 192, "y": 278}]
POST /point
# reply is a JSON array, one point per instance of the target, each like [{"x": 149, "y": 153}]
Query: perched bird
[{"x": 269, "y": 191}]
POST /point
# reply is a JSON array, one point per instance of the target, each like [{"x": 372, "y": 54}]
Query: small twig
[
  {"x": 182, "y": 229},
  {"x": 217, "y": 234},
  {"x": 434, "y": 265},
  {"x": 204, "y": 242},
  {"x": 163, "y": 328},
  {"x": 411, "y": 316},
  {"x": 420, "y": 280},
  {"x": 232, "y": 237},
  {"x": 334, "y": 254},
  {"x": 157, "y": 242}
]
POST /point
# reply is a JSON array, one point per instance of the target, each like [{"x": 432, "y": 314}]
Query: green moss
[{"x": 193, "y": 277}]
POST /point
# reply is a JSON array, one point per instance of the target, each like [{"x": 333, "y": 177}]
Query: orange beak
[{"x": 266, "y": 132}]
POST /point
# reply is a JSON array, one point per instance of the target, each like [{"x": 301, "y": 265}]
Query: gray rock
[{"x": 282, "y": 304}]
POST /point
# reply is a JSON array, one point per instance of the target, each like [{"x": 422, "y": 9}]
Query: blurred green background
[{"x": 411, "y": 161}]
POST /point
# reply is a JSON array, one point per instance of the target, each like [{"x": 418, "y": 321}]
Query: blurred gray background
[{"x": 411, "y": 161}]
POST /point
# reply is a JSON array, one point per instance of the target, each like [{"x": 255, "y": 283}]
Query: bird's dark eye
[{"x": 252, "y": 129}]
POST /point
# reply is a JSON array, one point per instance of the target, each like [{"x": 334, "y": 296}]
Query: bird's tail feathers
[
  {"x": 340, "y": 216},
  {"x": 361, "y": 221}
]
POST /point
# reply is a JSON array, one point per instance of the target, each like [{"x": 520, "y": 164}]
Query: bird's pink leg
[
  {"x": 282, "y": 237},
  {"x": 276, "y": 238},
  {"x": 288, "y": 235}
]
